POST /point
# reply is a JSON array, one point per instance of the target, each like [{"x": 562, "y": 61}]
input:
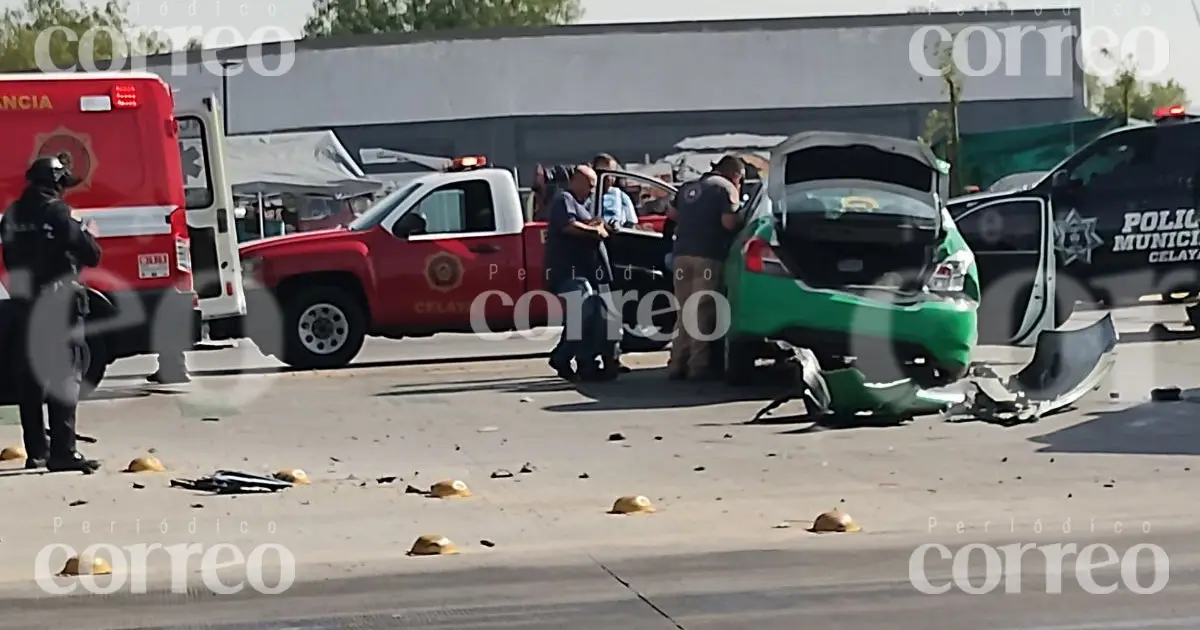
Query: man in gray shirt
[{"x": 705, "y": 214}]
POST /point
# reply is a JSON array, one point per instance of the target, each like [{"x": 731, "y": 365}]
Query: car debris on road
[{"x": 1066, "y": 365}]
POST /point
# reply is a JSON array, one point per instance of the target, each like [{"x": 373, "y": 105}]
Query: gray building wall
[{"x": 531, "y": 95}]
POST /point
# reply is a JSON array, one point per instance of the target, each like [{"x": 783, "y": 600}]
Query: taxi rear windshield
[{"x": 104, "y": 150}]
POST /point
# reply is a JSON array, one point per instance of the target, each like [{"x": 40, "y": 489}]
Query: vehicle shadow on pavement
[
  {"x": 1158, "y": 333},
  {"x": 518, "y": 385},
  {"x": 649, "y": 388},
  {"x": 1151, "y": 428}
]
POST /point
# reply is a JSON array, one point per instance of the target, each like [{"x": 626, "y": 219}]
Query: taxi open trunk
[{"x": 858, "y": 211}]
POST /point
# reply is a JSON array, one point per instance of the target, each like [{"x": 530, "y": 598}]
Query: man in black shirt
[
  {"x": 577, "y": 267},
  {"x": 705, "y": 216},
  {"x": 45, "y": 248}
]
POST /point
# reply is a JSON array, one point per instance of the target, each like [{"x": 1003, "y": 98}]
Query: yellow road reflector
[
  {"x": 86, "y": 566},
  {"x": 12, "y": 453},
  {"x": 145, "y": 464},
  {"x": 832, "y": 521},
  {"x": 449, "y": 489},
  {"x": 632, "y": 505},
  {"x": 433, "y": 545},
  {"x": 294, "y": 475}
]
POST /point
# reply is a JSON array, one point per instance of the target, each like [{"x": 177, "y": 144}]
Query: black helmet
[{"x": 50, "y": 171}]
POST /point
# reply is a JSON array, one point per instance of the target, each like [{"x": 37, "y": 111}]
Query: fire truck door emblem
[
  {"x": 74, "y": 149},
  {"x": 443, "y": 272}
]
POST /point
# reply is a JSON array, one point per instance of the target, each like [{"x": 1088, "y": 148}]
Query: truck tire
[
  {"x": 740, "y": 357},
  {"x": 95, "y": 364},
  {"x": 323, "y": 327}
]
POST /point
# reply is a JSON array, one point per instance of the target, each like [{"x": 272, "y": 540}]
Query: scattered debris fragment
[
  {"x": 232, "y": 482},
  {"x": 197, "y": 506},
  {"x": 210, "y": 419},
  {"x": 335, "y": 460},
  {"x": 632, "y": 505},
  {"x": 1003, "y": 460},
  {"x": 487, "y": 543},
  {"x": 145, "y": 464},
  {"x": 411, "y": 489},
  {"x": 77, "y": 503},
  {"x": 293, "y": 475},
  {"x": 782, "y": 525},
  {"x": 1109, "y": 485},
  {"x": 728, "y": 436},
  {"x": 527, "y": 468},
  {"x": 449, "y": 489},
  {"x": 584, "y": 476},
  {"x": 502, "y": 474},
  {"x": 12, "y": 454},
  {"x": 487, "y": 429},
  {"x": 616, "y": 437},
  {"x": 92, "y": 565},
  {"x": 526, "y": 400},
  {"x": 433, "y": 545},
  {"x": 834, "y": 521},
  {"x": 385, "y": 480},
  {"x": 658, "y": 438},
  {"x": 699, "y": 469},
  {"x": 1166, "y": 394},
  {"x": 138, "y": 486}
]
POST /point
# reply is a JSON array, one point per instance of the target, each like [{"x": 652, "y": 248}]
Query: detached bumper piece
[
  {"x": 1066, "y": 365},
  {"x": 232, "y": 482}
]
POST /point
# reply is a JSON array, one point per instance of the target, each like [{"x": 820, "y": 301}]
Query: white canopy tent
[{"x": 302, "y": 163}]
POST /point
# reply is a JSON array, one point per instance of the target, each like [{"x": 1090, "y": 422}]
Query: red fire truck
[{"x": 121, "y": 134}]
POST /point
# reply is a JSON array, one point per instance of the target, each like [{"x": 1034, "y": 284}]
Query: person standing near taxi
[
  {"x": 618, "y": 208},
  {"x": 705, "y": 216},
  {"x": 576, "y": 264}
]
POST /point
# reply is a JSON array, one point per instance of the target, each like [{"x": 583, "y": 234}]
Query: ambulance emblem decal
[
  {"x": 1075, "y": 237},
  {"x": 443, "y": 272},
  {"x": 74, "y": 149}
]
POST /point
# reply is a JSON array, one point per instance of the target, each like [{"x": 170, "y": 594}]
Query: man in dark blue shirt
[{"x": 577, "y": 268}]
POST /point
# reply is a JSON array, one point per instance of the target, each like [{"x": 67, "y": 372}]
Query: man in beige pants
[{"x": 705, "y": 214}]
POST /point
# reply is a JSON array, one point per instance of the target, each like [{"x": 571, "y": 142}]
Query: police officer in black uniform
[{"x": 44, "y": 250}]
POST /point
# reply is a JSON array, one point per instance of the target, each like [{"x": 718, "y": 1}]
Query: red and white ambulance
[{"x": 153, "y": 183}]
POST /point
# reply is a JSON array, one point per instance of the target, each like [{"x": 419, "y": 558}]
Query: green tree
[
  {"x": 194, "y": 43},
  {"x": 354, "y": 17},
  {"x": 1129, "y": 97},
  {"x": 36, "y": 28}
]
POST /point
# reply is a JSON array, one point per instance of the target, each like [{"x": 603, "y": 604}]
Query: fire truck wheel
[
  {"x": 324, "y": 327},
  {"x": 95, "y": 364}
]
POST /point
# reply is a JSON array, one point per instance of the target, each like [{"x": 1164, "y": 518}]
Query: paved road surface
[
  {"x": 713, "y": 556},
  {"x": 832, "y": 587}
]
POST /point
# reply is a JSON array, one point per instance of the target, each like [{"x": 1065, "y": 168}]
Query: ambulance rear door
[{"x": 210, "y": 214}]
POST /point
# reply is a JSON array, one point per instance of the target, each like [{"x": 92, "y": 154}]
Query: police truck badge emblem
[
  {"x": 74, "y": 149},
  {"x": 443, "y": 271},
  {"x": 1075, "y": 237}
]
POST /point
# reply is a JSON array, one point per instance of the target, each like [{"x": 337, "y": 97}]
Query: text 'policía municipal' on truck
[
  {"x": 1112, "y": 224},
  {"x": 152, "y": 183}
]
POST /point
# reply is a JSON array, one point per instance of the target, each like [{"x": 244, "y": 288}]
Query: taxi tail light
[
  {"x": 760, "y": 258},
  {"x": 124, "y": 97},
  {"x": 947, "y": 277}
]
